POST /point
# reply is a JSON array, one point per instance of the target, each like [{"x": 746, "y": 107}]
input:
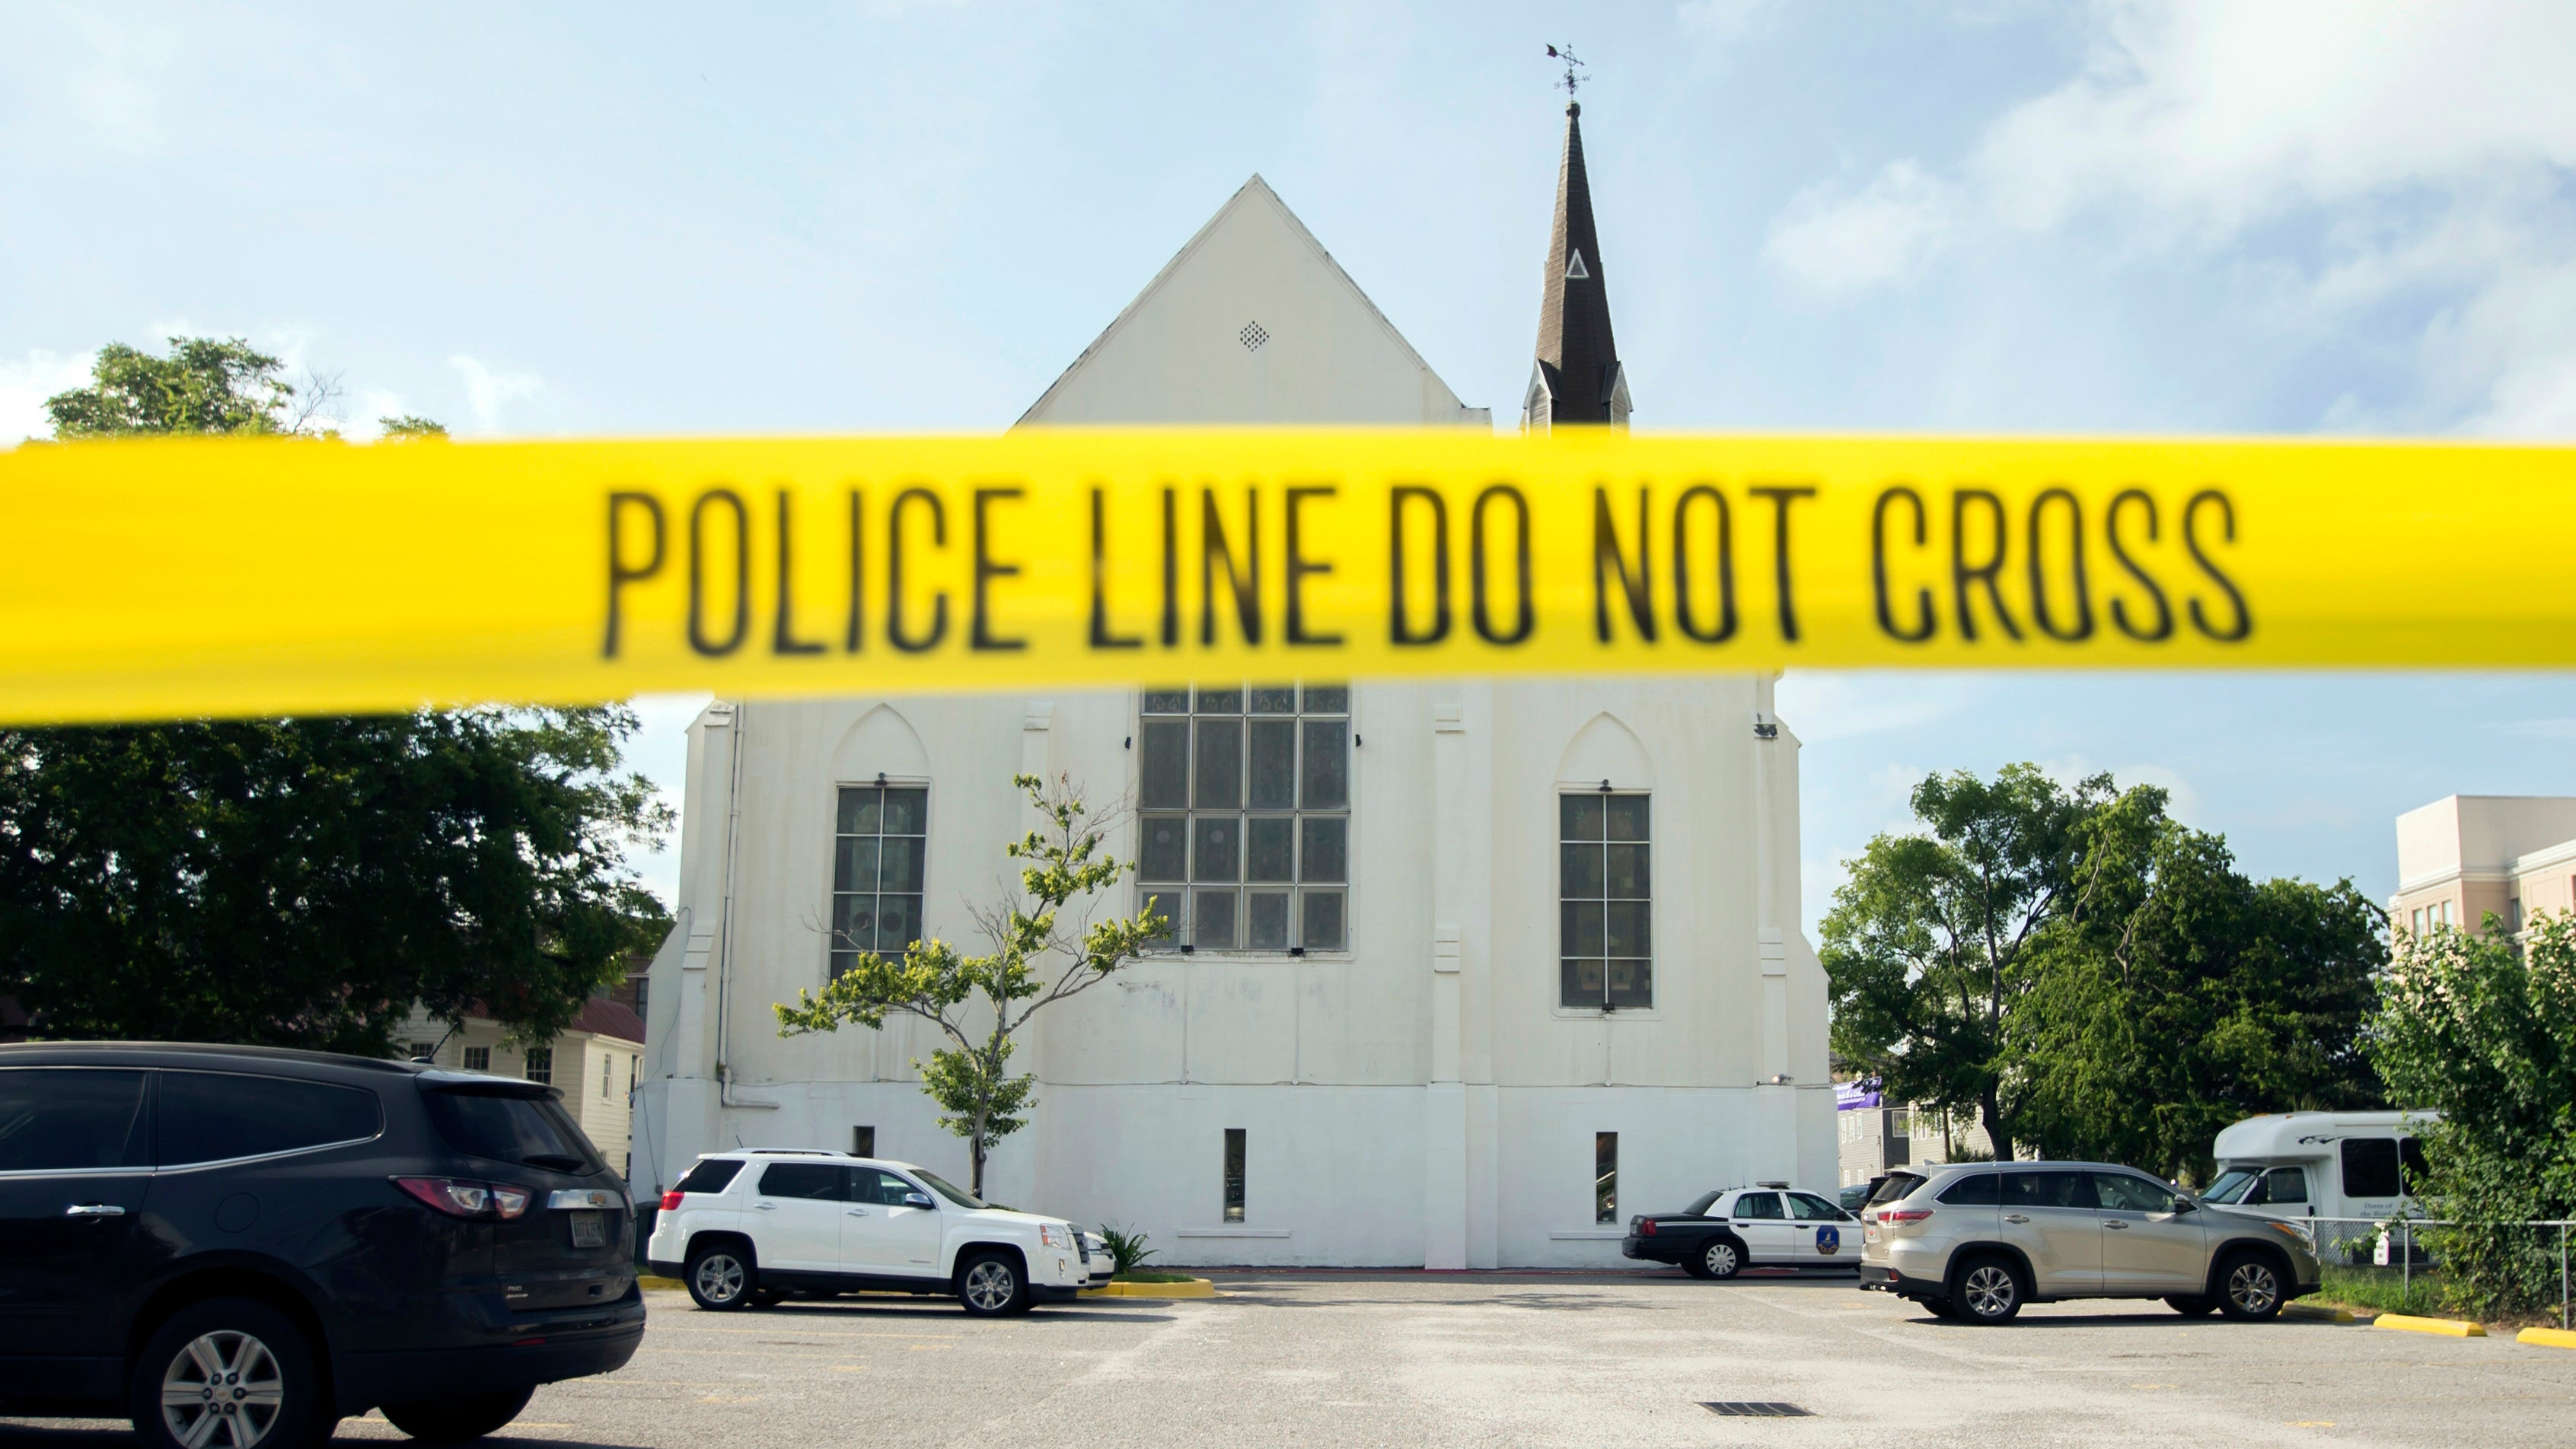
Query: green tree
[
  {"x": 1925, "y": 950},
  {"x": 410, "y": 428},
  {"x": 2482, "y": 1030},
  {"x": 303, "y": 882},
  {"x": 1045, "y": 949},
  {"x": 205, "y": 385},
  {"x": 2176, "y": 996}
]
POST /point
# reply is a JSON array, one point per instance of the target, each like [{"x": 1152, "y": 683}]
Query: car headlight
[
  {"x": 2290, "y": 1230},
  {"x": 1054, "y": 1235}
]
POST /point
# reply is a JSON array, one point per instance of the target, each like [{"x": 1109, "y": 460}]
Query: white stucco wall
[
  {"x": 1323, "y": 351},
  {"x": 1387, "y": 1100}
]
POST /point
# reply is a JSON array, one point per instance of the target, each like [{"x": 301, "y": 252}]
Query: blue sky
[{"x": 2237, "y": 217}]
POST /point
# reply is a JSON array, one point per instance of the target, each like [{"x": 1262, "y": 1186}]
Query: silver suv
[{"x": 1976, "y": 1241}]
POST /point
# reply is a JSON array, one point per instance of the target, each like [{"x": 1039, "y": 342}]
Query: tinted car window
[
  {"x": 869, "y": 1185},
  {"x": 802, "y": 1179},
  {"x": 2370, "y": 1167},
  {"x": 2281, "y": 1185},
  {"x": 1895, "y": 1186},
  {"x": 508, "y": 1127},
  {"x": 218, "y": 1116},
  {"x": 2120, "y": 1192},
  {"x": 713, "y": 1174},
  {"x": 1758, "y": 1205},
  {"x": 1806, "y": 1207},
  {"x": 2046, "y": 1190},
  {"x": 69, "y": 1117},
  {"x": 1984, "y": 1189},
  {"x": 2410, "y": 1156}
]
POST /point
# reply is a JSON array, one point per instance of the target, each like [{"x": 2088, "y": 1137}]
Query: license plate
[{"x": 588, "y": 1230}]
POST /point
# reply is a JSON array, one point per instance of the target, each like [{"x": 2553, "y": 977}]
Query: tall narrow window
[
  {"x": 1605, "y": 1177},
  {"x": 1234, "y": 1174},
  {"x": 1605, "y": 902},
  {"x": 877, "y": 855},
  {"x": 541, "y": 1064},
  {"x": 863, "y": 1142},
  {"x": 1245, "y": 814},
  {"x": 606, "y": 1064}
]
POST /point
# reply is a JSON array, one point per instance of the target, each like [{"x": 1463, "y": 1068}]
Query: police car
[{"x": 1767, "y": 1225}]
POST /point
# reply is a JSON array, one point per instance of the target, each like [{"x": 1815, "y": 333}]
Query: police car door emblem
[{"x": 1829, "y": 1240}]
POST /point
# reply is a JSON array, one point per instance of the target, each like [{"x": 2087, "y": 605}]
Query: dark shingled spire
[{"x": 1578, "y": 379}]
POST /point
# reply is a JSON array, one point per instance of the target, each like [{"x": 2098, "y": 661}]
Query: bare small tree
[{"x": 982, "y": 1002}]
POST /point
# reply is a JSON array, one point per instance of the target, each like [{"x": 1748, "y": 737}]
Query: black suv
[{"x": 274, "y": 1240}]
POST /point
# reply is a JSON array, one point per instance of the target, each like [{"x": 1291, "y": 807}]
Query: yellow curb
[
  {"x": 649, "y": 1281},
  {"x": 2547, "y": 1337},
  {"x": 2447, "y": 1327},
  {"x": 2321, "y": 1312},
  {"x": 1195, "y": 1288}
]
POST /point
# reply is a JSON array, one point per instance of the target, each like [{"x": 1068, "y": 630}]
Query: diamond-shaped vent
[
  {"x": 1738, "y": 1410},
  {"x": 1252, "y": 336}
]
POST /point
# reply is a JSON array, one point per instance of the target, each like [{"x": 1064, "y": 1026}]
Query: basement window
[
  {"x": 1605, "y": 1177},
  {"x": 1234, "y": 1174}
]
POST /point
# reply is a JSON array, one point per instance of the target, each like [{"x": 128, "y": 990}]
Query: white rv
[{"x": 2321, "y": 1165}]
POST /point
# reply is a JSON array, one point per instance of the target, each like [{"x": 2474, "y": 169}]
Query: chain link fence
[{"x": 2519, "y": 1252}]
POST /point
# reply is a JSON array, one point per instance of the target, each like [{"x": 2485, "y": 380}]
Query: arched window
[
  {"x": 878, "y": 848},
  {"x": 1605, "y": 897}
]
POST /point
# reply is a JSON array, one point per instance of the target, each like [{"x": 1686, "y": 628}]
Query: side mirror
[
  {"x": 918, "y": 1199},
  {"x": 2184, "y": 1205}
]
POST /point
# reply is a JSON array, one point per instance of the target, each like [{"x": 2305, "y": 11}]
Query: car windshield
[
  {"x": 1699, "y": 1204},
  {"x": 2231, "y": 1185},
  {"x": 950, "y": 1191}
]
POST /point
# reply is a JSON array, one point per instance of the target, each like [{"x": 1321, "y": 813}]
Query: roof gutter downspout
[{"x": 724, "y": 929}]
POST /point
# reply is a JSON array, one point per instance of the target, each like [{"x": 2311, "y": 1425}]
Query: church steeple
[{"x": 1578, "y": 378}]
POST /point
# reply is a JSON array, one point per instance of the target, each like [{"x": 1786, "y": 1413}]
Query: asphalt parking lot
[{"x": 1519, "y": 1360}]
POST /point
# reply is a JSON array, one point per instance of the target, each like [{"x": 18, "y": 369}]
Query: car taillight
[
  {"x": 1904, "y": 1215},
  {"x": 459, "y": 1198},
  {"x": 671, "y": 1200},
  {"x": 1646, "y": 1229}
]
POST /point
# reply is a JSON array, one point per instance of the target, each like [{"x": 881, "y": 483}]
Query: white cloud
[
  {"x": 2235, "y": 109},
  {"x": 1841, "y": 241},
  {"x": 486, "y": 390},
  {"x": 2338, "y": 155},
  {"x": 26, "y": 383}
]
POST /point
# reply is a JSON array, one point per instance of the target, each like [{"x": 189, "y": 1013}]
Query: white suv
[{"x": 750, "y": 1227}]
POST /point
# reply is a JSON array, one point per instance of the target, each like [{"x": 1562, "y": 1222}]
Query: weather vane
[{"x": 1566, "y": 53}]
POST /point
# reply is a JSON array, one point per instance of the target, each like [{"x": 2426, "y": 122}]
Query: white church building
[{"x": 1462, "y": 973}]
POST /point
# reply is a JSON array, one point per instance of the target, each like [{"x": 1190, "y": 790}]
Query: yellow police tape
[{"x": 231, "y": 577}]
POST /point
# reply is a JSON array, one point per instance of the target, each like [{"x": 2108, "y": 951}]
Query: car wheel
[
  {"x": 1941, "y": 1307},
  {"x": 453, "y": 1421},
  {"x": 991, "y": 1285},
  {"x": 2193, "y": 1307},
  {"x": 1723, "y": 1258},
  {"x": 228, "y": 1373},
  {"x": 1989, "y": 1291},
  {"x": 2249, "y": 1288},
  {"x": 723, "y": 1277}
]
